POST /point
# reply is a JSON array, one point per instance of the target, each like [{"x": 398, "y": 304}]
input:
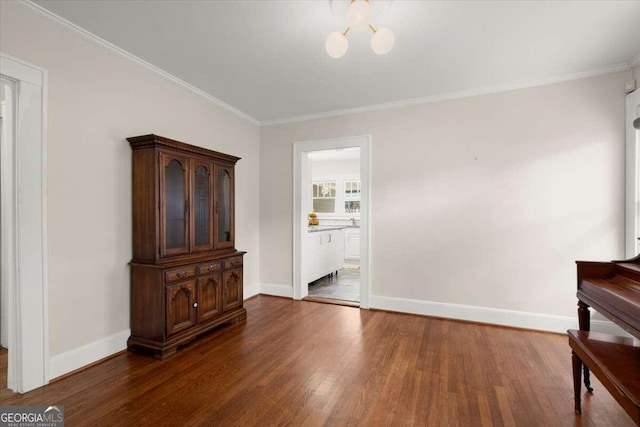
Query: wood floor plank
[{"x": 304, "y": 363}]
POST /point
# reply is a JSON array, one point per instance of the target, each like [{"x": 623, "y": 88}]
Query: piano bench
[{"x": 616, "y": 363}]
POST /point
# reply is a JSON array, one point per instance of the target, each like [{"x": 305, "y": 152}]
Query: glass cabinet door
[
  {"x": 202, "y": 173},
  {"x": 224, "y": 222},
  {"x": 174, "y": 191}
]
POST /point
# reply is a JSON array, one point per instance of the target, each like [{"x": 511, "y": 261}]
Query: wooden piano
[{"x": 613, "y": 290}]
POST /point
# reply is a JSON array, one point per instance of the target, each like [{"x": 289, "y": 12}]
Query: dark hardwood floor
[{"x": 304, "y": 363}]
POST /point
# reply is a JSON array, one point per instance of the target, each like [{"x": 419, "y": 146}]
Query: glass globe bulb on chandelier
[
  {"x": 382, "y": 40},
  {"x": 359, "y": 18},
  {"x": 359, "y": 14},
  {"x": 337, "y": 44}
]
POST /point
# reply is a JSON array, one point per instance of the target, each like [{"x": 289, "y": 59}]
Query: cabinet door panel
[
  {"x": 181, "y": 313},
  {"x": 337, "y": 255},
  {"x": 232, "y": 289},
  {"x": 312, "y": 257},
  {"x": 202, "y": 200},
  {"x": 352, "y": 243},
  {"x": 209, "y": 304},
  {"x": 174, "y": 204},
  {"x": 224, "y": 207}
]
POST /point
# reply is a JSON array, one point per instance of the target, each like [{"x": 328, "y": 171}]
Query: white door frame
[
  {"x": 632, "y": 196},
  {"x": 301, "y": 170},
  {"x": 24, "y": 253}
]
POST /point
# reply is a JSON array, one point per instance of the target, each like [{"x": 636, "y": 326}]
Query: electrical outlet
[{"x": 630, "y": 86}]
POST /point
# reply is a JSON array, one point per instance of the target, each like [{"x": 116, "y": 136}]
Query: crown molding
[
  {"x": 150, "y": 67},
  {"x": 450, "y": 96},
  {"x": 336, "y": 113}
]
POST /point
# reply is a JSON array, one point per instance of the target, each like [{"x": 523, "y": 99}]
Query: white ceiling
[{"x": 267, "y": 59}]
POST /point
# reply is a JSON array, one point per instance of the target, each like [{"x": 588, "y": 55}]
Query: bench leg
[
  {"x": 587, "y": 378},
  {"x": 577, "y": 371},
  {"x": 584, "y": 319}
]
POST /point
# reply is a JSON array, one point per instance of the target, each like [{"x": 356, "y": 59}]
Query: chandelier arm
[
  {"x": 346, "y": 31},
  {"x": 373, "y": 29}
]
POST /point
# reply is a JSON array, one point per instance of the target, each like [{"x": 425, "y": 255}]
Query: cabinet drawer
[
  {"x": 179, "y": 273},
  {"x": 210, "y": 267},
  {"x": 232, "y": 262}
]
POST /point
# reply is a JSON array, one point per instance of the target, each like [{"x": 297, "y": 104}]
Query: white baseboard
[
  {"x": 517, "y": 319},
  {"x": 87, "y": 354},
  {"x": 251, "y": 290},
  {"x": 276, "y": 290},
  {"x": 82, "y": 356},
  {"x": 607, "y": 327}
]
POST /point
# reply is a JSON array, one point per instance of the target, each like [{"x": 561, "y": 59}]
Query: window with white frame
[
  {"x": 324, "y": 197},
  {"x": 336, "y": 196},
  {"x": 351, "y": 196},
  {"x": 632, "y": 232}
]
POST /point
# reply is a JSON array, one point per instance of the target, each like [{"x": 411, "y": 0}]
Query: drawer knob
[
  {"x": 182, "y": 273},
  {"x": 212, "y": 267},
  {"x": 234, "y": 262},
  {"x": 195, "y": 304}
]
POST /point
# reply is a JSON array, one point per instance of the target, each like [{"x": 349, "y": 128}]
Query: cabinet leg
[
  {"x": 577, "y": 365},
  {"x": 163, "y": 354}
]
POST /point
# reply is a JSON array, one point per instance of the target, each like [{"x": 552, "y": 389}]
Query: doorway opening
[
  {"x": 331, "y": 247},
  {"x": 7, "y": 101},
  {"x": 331, "y": 221},
  {"x": 23, "y": 226}
]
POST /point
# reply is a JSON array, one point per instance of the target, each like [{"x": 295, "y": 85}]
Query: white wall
[
  {"x": 483, "y": 202},
  {"x": 97, "y": 98}
]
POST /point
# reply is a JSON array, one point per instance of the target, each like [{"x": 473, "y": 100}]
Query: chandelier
[{"x": 358, "y": 19}]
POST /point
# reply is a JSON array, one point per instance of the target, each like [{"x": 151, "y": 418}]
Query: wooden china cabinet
[{"x": 186, "y": 275}]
